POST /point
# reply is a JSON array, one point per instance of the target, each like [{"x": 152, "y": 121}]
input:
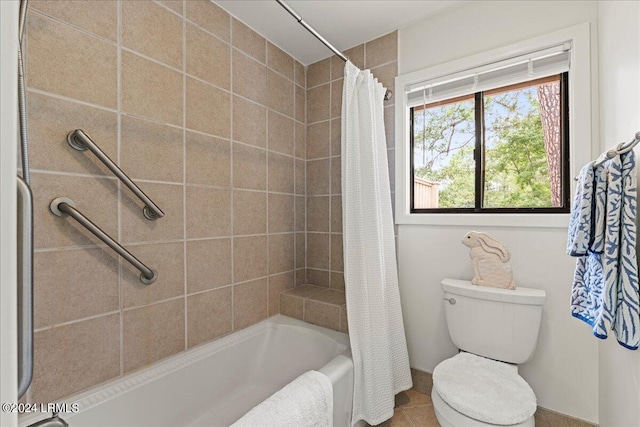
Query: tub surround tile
[
  {"x": 280, "y": 61},
  {"x": 301, "y": 214},
  {"x": 318, "y": 277},
  {"x": 151, "y": 90},
  {"x": 315, "y": 304},
  {"x": 336, "y": 98},
  {"x": 160, "y": 146},
  {"x": 175, "y": 5},
  {"x": 281, "y": 253},
  {"x": 337, "y": 281},
  {"x": 336, "y": 214},
  {"x": 249, "y": 78},
  {"x": 193, "y": 141},
  {"x": 301, "y": 250},
  {"x": 153, "y": 31},
  {"x": 355, "y": 55},
  {"x": 382, "y": 50},
  {"x": 277, "y": 284},
  {"x": 99, "y": 17},
  {"x": 208, "y": 212},
  {"x": 318, "y": 138},
  {"x": 208, "y": 160},
  {"x": 319, "y": 72},
  {"x": 249, "y": 258},
  {"x": 301, "y": 140},
  {"x": 136, "y": 228},
  {"x": 300, "y": 177},
  {"x": 280, "y": 92},
  {"x": 321, "y": 314},
  {"x": 250, "y": 303},
  {"x": 96, "y": 198},
  {"x": 336, "y": 135},
  {"x": 208, "y": 264},
  {"x": 336, "y": 175},
  {"x": 85, "y": 66},
  {"x": 208, "y": 58},
  {"x": 211, "y": 18},
  {"x": 152, "y": 333},
  {"x": 333, "y": 297},
  {"x": 386, "y": 75},
  {"x": 249, "y": 167},
  {"x": 249, "y": 212},
  {"x": 281, "y": 169},
  {"x": 253, "y": 131},
  {"x": 300, "y": 72},
  {"x": 318, "y": 213},
  {"x": 337, "y": 263},
  {"x": 248, "y": 41},
  {"x": 86, "y": 353},
  {"x": 318, "y": 250},
  {"x": 318, "y": 177},
  {"x": 90, "y": 290},
  {"x": 291, "y": 306},
  {"x": 168, "y": 259},
  {"x": 208, "y": 316},
  {"x": 281, "y": 215},
  {"x": 344, "y": 322},
  {"x": 51, "y": 120},
  {"x": 318, "y": 101},
  {"x": 281, "y": 133},
  {"x": 208, "y": 109}
]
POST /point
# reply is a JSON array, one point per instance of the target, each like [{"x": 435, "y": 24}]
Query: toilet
[{"x": 495, "y": 330}]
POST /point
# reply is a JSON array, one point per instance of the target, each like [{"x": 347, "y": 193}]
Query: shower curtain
[{"x": 378, "y": 344}]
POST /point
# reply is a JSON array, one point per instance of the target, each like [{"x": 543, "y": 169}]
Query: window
[
  {"x": 501, "y": 149},
  {"x": 565, "y": 53}
]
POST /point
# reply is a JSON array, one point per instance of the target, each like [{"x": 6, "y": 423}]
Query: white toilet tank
[{"x": 499, "y": 324}]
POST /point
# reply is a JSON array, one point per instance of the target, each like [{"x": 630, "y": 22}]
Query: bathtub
[{"x": 216, "y": 383}]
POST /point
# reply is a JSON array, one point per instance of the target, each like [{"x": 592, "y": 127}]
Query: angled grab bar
[
  {"x": 62, "y": 205},
  {"x": 79, "y": 140}
]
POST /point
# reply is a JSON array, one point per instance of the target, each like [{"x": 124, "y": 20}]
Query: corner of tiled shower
[{"x": 236, "y": 141}]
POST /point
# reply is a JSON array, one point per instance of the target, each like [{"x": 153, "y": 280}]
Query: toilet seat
[{"x": 484, "y": 389}]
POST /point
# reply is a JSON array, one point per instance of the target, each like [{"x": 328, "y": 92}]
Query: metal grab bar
[
  {"x": 25, "y": 287},
  {"x": 62, "y": 205},
  {"x": 80, "y": 141}
]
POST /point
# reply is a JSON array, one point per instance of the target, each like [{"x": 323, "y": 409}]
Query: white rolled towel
[{"x": 307, "y": 401}]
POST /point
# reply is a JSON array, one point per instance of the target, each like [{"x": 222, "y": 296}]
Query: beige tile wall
[
  {"x": 324, "y": 105},
  {"x": 208, "y": 118}
]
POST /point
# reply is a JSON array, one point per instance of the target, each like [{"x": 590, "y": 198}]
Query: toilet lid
[{"x": 484, "y": 389}]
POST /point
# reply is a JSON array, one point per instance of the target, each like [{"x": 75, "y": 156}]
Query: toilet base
[{"x": 449, "y": 417}]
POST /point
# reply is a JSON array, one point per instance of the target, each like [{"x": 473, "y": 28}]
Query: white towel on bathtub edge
[{"x": 307, "y": 401}]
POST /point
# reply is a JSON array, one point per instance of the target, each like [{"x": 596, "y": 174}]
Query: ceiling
[{"x": 343, "y": 23}]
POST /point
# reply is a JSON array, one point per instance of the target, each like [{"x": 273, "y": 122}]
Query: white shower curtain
[{"x": 378, "y": 344}]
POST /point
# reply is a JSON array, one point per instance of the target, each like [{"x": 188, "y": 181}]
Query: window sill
[{"x": 487, "y": 220}]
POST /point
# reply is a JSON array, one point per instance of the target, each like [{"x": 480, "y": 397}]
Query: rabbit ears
[{"x": 493, "y": 245}]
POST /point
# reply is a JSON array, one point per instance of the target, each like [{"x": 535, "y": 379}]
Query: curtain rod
[{"x": 388, "y": 94}]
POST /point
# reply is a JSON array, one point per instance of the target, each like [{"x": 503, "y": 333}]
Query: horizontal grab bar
[
  {"x": 80, "y": 141},
  {"x": 62, "y": 205}
]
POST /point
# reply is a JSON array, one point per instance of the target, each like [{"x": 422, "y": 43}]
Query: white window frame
[{"x": 580, "y": 144}]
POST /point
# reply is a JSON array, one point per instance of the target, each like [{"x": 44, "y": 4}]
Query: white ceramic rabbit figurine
[{"x": 490, "y": 260}]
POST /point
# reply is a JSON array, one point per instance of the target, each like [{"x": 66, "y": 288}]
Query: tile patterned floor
[{"x": 413, "y": 409}]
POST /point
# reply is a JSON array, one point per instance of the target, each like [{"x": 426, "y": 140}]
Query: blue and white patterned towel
[
  {"x": 605, "y": 287},
  {"x": 580, "y": 221}
]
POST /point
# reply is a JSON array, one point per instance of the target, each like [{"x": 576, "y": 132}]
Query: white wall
[
  {"x": 564, "y": 370},
  {"x": 619, "y": 47}
]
